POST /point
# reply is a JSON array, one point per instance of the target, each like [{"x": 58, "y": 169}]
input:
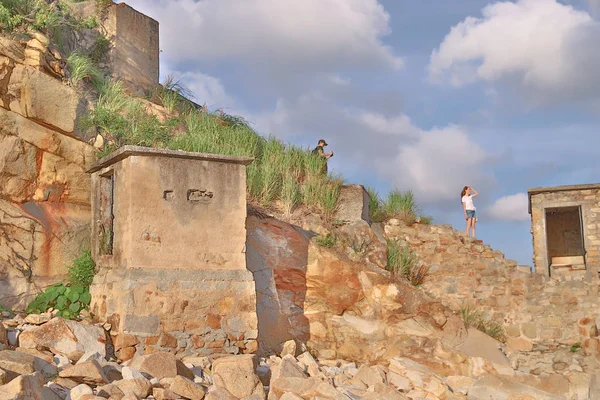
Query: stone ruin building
[
  {"x": 169, "y": 239},
  {"x": 566, "y": 227}
]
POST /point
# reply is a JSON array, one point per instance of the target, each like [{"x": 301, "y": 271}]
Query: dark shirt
[{"x": 316, "y": 150}]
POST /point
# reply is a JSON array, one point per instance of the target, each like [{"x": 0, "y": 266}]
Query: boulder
[
  {"x": 15, "y": 363},
  {"x": 353, "y": 204},
  {"x": 66, "y": 337},
  {"x": 306, "y": 388},
  {"x": 110, "y": 391},
  {"x": 502, "y": 388},
  {"x": 187, "y": 388},
  {"x": 288, "y": 348},
  {"x": 23, "y": 387},
  {"x": 219, "y": 393},
  {"x": 79, "y": 391},
  {"x": 3, "y": 335},
  {"x": 139, "y": 387},
  {"x": 381, "y": 391},
  {"x": 236, "y": 375},
  {"x": 370, "y": 376},
  {"x": 89, "y": 372},
  {"x": 164, "y": 365},
  {"x": 287, "y": 368},
  {"x": 38, "y": 96},
  {"x": 164, "y": 394}
]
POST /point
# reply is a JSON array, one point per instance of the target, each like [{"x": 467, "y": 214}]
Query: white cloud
[
  {"x": 510, "y": 208},
  {"x": 435, "y": 164},
  {"x": 439, "y": 164},
  {"x": 306, "y": 34},
  {"x": 545, "y": 48},
  {"x": 205, "y": 89}
]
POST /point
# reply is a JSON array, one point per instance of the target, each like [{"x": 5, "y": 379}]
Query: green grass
[
  {"x": 82, "y": 67},
  {"x": 280, "y": 173},
  {"x": 401, "y": 260},
  {"x": 398, "y": 204},
  {"x": 328, "y": 240},
  {"x": 20, "y": 15},
  {"x": 575, "y": 347},
  {"x": 474, "y": 318}
]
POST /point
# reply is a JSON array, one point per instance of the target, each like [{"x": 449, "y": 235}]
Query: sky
[{"x": 427, "y": 95}]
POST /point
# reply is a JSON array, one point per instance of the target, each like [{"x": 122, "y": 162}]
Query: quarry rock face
[{"x": 45, "y": 206}]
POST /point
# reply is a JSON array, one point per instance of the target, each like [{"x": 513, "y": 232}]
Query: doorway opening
[{"x": 564, "y": 236}]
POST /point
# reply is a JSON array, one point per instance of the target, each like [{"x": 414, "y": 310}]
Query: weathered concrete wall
[
  {"x": 134, "y": 55},
  {"x": 589, "y": 201},
  {"x": 177, "y": 264},
  {"x": 45, "y": 209}
]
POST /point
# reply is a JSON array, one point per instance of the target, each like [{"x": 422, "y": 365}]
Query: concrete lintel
[
  {"x": 128, "y": 150},
  {"x": 563, "y": 188}
]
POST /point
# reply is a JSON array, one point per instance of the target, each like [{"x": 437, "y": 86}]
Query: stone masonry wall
[
  {"x": 535, "y": 310},
  {"x": 44, "y": 190},
  {"x": 589, "y": 200}
]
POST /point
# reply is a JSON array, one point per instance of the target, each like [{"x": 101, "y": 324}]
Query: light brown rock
[
  {"x": 288, "y": 348},
  {"x": 219, "y": 393},
  {"x": 89, "y": 372},
  {"x": 370, "y": 376},
  {"x": 3, "y": 337},
  {"x": 139, "y": 387},
  {"x": 186, "y": 388},
  {"x": 164, "y": 394},
  {"x": 24, "y": 387},
  {"x": 66, "y": 337},
  {"x": 236, "y": 374},
  {"x": 165, "y": 365},
  {"x": 288, "y": 367},
  {"x": 111, "y": 391},
  {"x": 38, "y": 96},
  {"x": 16, "y": 363},
  {"x": 79, "y": 391},
  {"x": 123, "y": 340}
]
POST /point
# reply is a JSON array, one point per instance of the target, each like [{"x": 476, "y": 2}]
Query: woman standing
[{"x": 466, "y": 196}]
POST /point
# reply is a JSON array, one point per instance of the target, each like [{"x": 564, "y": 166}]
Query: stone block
[
  {"x": 353, "y": 204},
  {"x": 141, "y": 325}
]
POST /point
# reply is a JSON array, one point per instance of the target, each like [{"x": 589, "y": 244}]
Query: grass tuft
[
  {"x": 474, "y": 318},
  {"x": 328, "y": 240}
]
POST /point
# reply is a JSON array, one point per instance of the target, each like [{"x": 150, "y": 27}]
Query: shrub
[
  {"x": 69, "y": 301},
  {"x": 474, "y": 318},
  {"x": 426, "y": 219},
  {"x": 71, "y": 298},
  {"x": 100, "y": 49},
  {"x": 82, "y": 271},
  {"x": 575, "y": 347},
  {"x": 326, "y": 241}
]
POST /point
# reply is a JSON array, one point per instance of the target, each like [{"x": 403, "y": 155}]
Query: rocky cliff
[{"x": 44, "y": 201}]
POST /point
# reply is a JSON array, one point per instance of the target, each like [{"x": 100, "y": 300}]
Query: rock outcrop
[{"x": 44, "y": 206}]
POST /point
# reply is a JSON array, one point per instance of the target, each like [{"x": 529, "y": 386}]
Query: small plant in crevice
[
  {"x": 68, "y": 301},
  {"x": 401, "y": 260},
  {"x": 99, "y": 49},
  {"x": 328, "y": 240},
  {"x": 575, "y": 347},
  {"x": 475, "y": 318},
  {"x": 83, "y": 269}
]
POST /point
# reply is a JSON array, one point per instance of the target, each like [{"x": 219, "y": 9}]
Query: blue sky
[{"x": 424, "y": 95}]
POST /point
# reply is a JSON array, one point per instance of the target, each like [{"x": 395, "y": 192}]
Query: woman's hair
[{"x": 464, "y": 191}]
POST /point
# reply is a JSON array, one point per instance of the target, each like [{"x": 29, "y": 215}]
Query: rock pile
[{"x": 54, "y": 359}]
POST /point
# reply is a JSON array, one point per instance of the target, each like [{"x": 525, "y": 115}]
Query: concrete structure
[
  {"x": 566, "y": 229},
  {"x": 134, "y": 54},
  {"x": 169, "y": 239}
]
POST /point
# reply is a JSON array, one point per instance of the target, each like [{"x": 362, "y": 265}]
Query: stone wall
[
  {"x": 535, "y": 310},
  {"x": 44, "y": 190},
  {"x": 589, "y": 201}
]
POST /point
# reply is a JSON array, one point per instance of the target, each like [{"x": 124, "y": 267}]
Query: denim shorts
[{"x": 470, "y": 214}]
